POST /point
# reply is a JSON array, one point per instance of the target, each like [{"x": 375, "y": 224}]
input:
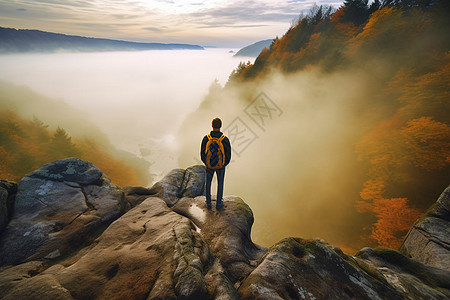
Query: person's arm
[
  {"x": 202, "y": 149},
  {"x": 227, "y": 148}
]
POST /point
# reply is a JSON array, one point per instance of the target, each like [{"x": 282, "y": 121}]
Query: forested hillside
[
  {"x": 402, "y": 51},
  {"x": 27, "y": 145},
  {"x": 25, "y": 41}
]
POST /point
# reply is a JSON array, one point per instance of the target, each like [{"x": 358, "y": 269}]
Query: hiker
[{"x": 216, "y": 155}]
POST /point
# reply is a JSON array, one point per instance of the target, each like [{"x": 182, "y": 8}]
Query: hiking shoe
[
  {"x": 219, "y": 205},
  {"x": 208, "y": 205}
]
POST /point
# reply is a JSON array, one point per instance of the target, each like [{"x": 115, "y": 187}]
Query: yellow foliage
[
  {"x": 25, "y": 146},
  {"x": 119, "y": 172}
]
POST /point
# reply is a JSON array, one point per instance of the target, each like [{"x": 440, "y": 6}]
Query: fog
[
  {"x": 294, "y": 161},
  {"x": 139, "y": 99},
  {"x": 296, "y": 166}
]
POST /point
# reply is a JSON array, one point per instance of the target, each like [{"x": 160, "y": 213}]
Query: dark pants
[{"x": 220, "y": 178}]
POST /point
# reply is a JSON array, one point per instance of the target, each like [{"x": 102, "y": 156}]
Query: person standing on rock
[{"x": 215, "y": 153}]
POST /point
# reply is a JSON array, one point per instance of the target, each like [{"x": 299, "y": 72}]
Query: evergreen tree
[
  {"x": 61, "y": 145},
  {"x": 356, "y": 11}
]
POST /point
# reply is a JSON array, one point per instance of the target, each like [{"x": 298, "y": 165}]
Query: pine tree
[
  {"x": 356, "y": 11},
  {"x": 61, "y": 145}
]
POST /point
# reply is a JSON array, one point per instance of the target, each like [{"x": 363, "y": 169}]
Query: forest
[
  {"x": 367, "y": 87},
  {"x": 27, "y": 145},
  {"x": 403, "y": 49}
]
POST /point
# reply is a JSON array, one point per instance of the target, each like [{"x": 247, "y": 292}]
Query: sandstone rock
[
  {"x": 11, "y": 277},
  {"x": 169, "y": 246},
  {"x": 310, "y": 269},
  {"x": 44, "y": 286},
  {"x": 194, "y": 182},
  {"x": 180, "y": 183},
  {"x": 428, "y": 241},
  {"x": 55, "y": 214},
  {"x": 136, "y": 194},
  {"x": 151, "y": 252},
  {"x": 410, "y": 278},
  {"x": 71, "y": 170},
  {"x": 8, "y": 192},
  {"x": 226, "y": 231}
]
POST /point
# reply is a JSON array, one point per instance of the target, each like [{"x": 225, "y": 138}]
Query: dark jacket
[{"x": 226, "y": 147}]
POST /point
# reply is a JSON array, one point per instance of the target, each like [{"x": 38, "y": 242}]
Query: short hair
[{"x": 217, "y": 123}]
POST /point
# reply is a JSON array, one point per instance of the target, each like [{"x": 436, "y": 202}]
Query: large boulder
[
  {"x": 410, "y": 278},
  {"x": 20, "y": 282},
  {"x": 170, "y": 246},
  {"x": 226, "y": 231},
  {"x": 8, "y": 190},
  {"x": 151, "y": 252},
  {"x": 181, "y": 183},
  {"x": 311, "y": 269},
  {"x": 428, "y": 241},
  {"x": 59, "y": 208}
]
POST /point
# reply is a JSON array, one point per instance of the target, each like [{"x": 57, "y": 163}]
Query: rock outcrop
[
  {"x": 169, "y": 246},
  {"x": 180, "y": 183},
  {"x": 59, "y": 208},
  {"x": 428, "y": 241},
  {"x": 8, "y": 190}
]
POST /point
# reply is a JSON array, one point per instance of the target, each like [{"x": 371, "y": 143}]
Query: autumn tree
[
  {"x": 27, "y": 145},
  {"x": 392, "y": 149},
  {"x": 237, "y": 73}
]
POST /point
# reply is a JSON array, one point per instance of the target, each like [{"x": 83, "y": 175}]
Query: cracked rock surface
[
  {"x": 8, "y": 190},
  {"x": 58, "y": 208},
  {"x": 428, "y": 241},
  {"x": 168, "y": 245}
]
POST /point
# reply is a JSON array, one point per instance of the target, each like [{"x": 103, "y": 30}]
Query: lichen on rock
[{"x": 89, "y": 239}]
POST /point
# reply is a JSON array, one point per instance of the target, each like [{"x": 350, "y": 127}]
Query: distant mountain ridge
[
  {"x": 26, "y": 40},
  {"x": 255, "y": 49}
]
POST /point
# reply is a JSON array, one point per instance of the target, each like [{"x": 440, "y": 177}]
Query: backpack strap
[{"x": 208, "y": 143}]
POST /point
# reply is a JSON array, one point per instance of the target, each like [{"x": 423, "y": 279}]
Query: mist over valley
[
  {"x": 339, "y": 128},
  {"x": 138, "y": 99}
]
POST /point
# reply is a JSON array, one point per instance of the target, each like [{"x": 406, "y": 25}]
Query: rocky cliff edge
[{"x": 68, "y": 233}]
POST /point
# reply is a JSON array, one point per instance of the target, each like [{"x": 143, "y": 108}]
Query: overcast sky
[{"x": 232, "y": 23}]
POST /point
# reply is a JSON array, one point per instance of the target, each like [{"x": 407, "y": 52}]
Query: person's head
[{"x": 216, "y": 124}]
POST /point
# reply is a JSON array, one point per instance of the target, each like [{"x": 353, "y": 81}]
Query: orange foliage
[
  {"x": 373, "y": 190},
  {"x": 392, "y": 144},
  {"x": 338, "y": 14},
  {"x": 344, "y": 28},
  {"x": 427, "y": 94},
  {"x": 383, "y": 24},
  {"x": 427, "y": 143},
  {"x": 395, "y": 217},
  {"x": 5, "y": 167},
  {"x": 314, "y": 44},
  {"x": 406, "y": 52},
  {"x": 390, "y": 147},
  {"x": 25, "y": 146},
  {"x": 119, "y": 172}
]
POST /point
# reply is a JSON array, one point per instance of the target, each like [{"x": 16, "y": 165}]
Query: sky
[{"x": 232, "y": 23}]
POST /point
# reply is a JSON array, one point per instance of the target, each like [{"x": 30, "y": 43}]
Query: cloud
[
  {"x": 247, "y": 12},
  {"x": 227, "y": 25},
  {"x": 233, "y": 23},
  {"x": 153, "y": 29}
]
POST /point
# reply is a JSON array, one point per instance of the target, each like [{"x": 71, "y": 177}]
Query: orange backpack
[{"x": 215, "y": 153}]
